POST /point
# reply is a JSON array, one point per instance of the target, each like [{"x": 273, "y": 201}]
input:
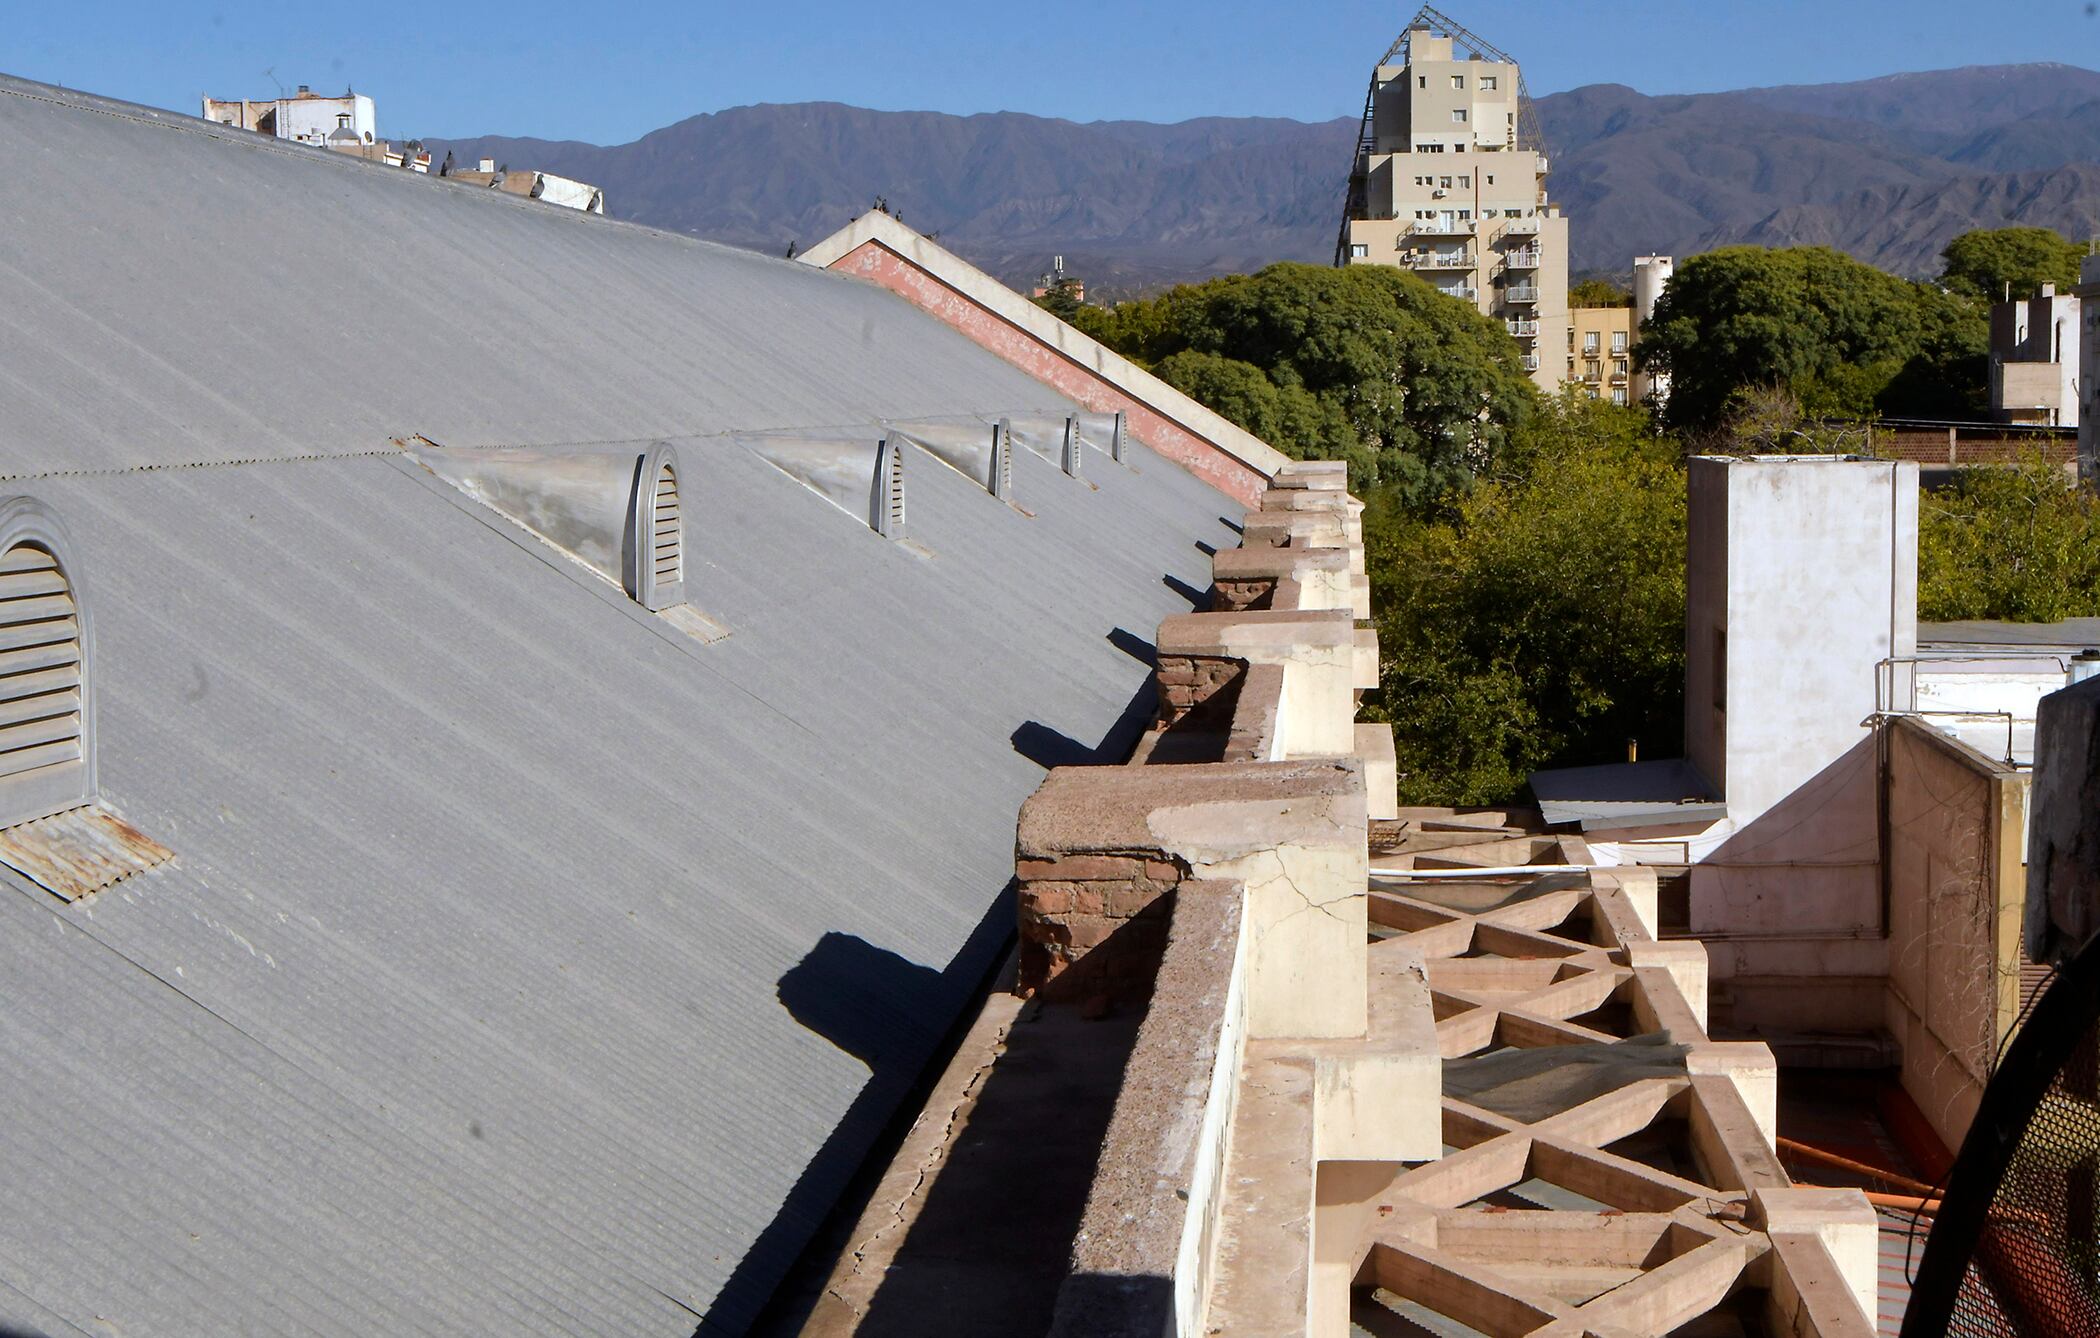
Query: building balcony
[
  {"x": 1531, "y": 362},
  {"x": 1440, "y": 227},
  {"x": 1521, "y": 227},
  {"x": 1525, "y": 294},
  {"x": 1525, "y": 258},
  {"x": 1522, "y": 328},
  {"x": 1464, "y": 294},
  {"x": 1440, "y": 260}
]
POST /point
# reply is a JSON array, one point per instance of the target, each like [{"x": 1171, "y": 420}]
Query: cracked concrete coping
[
  {"x": 1248, "y": 564},
  {"x": 1256, "y": 630},
  {"x": 1305, "y": 499},
  {"x": 1090, "y": 810}
]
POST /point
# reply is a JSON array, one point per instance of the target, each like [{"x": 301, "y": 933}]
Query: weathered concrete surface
[
  {"x": 2063, "y": 843},
  {"x": 1160, "y": 1160}
]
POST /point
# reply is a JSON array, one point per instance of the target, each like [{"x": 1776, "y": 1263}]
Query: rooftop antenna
[{"x": 271, "y": 75}]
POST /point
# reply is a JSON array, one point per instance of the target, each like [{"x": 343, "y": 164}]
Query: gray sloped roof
[{"x": 519, "y": 956}]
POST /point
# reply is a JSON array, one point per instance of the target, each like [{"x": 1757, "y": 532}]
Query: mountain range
[{"x": 1887, "y": 169}]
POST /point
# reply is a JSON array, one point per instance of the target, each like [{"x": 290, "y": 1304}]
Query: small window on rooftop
[{"x": 1487, "y": 83}]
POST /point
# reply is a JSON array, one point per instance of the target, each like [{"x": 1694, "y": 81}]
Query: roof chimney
[{"x": 304, "y": 90}]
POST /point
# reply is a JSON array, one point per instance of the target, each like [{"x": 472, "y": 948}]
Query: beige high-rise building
[{"x": 1450, "y": 182}]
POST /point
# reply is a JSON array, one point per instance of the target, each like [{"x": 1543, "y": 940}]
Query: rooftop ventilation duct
[
  {"x": 983, "y": 452},
  {"x": 1103, "y": 432},
  {"x": 863, "y": 478},
  {"x": 1055, "y": 437},
  {"x": 616, "y": 511}
]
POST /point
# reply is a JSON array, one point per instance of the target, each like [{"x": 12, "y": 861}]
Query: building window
[
  {"x": 1618, "y": 396},
  {"x": 1458, "y": 81},
  {"x": 1618, "y": 366},
  {"x": 1466, "y": 214},
  {"x": 1571, "y": 348},
  {"x": 1358, "y": 250},
  {"x": 1465, "y": 181},
  {"x": 1422, "y": 81},
  {"x": 1490, "y": 178},
  {"x": 1589, "y": 343},
  {"x": 1618, "y": 341},
  {"x": 1458, "y": 114},
  {"x": 1487, "y": 83},
  {"x": 1445, "y": 182}
]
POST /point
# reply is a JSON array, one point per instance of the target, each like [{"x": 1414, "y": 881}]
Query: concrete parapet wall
[
  {"x": 1141, "y": 1255},
  {"x": 1098, "y": 846}
]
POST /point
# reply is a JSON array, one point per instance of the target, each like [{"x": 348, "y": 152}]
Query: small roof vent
[
  {"x": 47, "y": 760},
  {"x": 863, "y": 478},
  {"x": 1103, "y": 432},
  {"x": 618, "y": 511},
  {"x": 982, "y": 452},
  {"x": 1055, "y": 437},
  {"x": 655, "y": 573}
]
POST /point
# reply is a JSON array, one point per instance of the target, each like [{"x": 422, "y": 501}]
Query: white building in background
[
  {"x": 306, "y": 116},
  {"x": 1651, "y": 275},
  {"x": 2088, "y": 385},
  {"x": 2034, "y": 358}
]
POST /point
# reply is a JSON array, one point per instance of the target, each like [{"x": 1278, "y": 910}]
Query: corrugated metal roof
[{"x": 517, "y": 959}]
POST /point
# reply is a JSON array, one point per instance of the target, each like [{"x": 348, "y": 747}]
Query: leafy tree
[
  {"x": 1542, "y": 621},
  {"x": 2020, "y": 543},
  {"x": 1061, "y": 299},
  {"x": 1598, "y": 293},
  {"x": 1843, "y": 337},
  {"x": 1368, "y": 363},
  {"x": 1984, "y": 263}
]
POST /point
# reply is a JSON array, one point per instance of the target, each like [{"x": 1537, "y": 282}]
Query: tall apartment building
[{"x": 1450, "y": 182}]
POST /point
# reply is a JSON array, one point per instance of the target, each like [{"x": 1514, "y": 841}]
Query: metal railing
[
  {"x": 1525, "y": 258},
  {"x": 1531, "y": 362},
  {"x": 1441, "y": 260},
  {"x": 1521, "y": 292},
  {"x": 1521, "y": 227},
  {"x": 1523, "y": 329},
  {"x": 1440, "y": 227}
]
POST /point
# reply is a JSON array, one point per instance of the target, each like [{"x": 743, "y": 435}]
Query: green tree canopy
[
  {"x": 1598, "y": 293},
  {"x": 1367, "y": 363},
  {"x": 1843, "y": 337},
  {"x": 1542, "y": 622},
  {"x": 1985, "y": 263},
  {"x": 2019, "y": 543}
]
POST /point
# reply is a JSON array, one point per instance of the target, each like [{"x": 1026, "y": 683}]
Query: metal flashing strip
[{"x": 79, "y": 852}]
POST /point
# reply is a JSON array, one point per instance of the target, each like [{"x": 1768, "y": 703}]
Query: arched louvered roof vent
[
  {"x": 888, "y": 514},
  {"x": 1055, "y": 437},
  {"x": 655, "y": 567},
  {"x": 863, "y": 478},
  {"x": 1103, "y": 431},
  {"x": 616, "y": 510},
  {"x": 47, "y": 755},
  {"x": 982, "y": 452}
]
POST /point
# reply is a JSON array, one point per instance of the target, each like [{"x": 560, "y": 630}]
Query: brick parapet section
[
  {"x": 880, "y": 250},
  {"x": 1110, "y": 909},
  {"x": 1197, "y": 691}
]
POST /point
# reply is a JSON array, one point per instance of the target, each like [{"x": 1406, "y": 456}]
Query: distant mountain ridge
[{"x": 1887, "y": 169}]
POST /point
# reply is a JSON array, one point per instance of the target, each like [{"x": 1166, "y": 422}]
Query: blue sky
[{"x": 610, "y": 72}]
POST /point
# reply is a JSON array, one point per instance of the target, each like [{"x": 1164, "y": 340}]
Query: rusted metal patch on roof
[{"x": 79, "y": 852}]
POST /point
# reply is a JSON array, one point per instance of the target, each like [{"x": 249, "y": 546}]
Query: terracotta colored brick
[
  {"x": 1078, "y": 868},
  {"x": 1164, "y": 871},
  {"x": 1088, "y": 931}
]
